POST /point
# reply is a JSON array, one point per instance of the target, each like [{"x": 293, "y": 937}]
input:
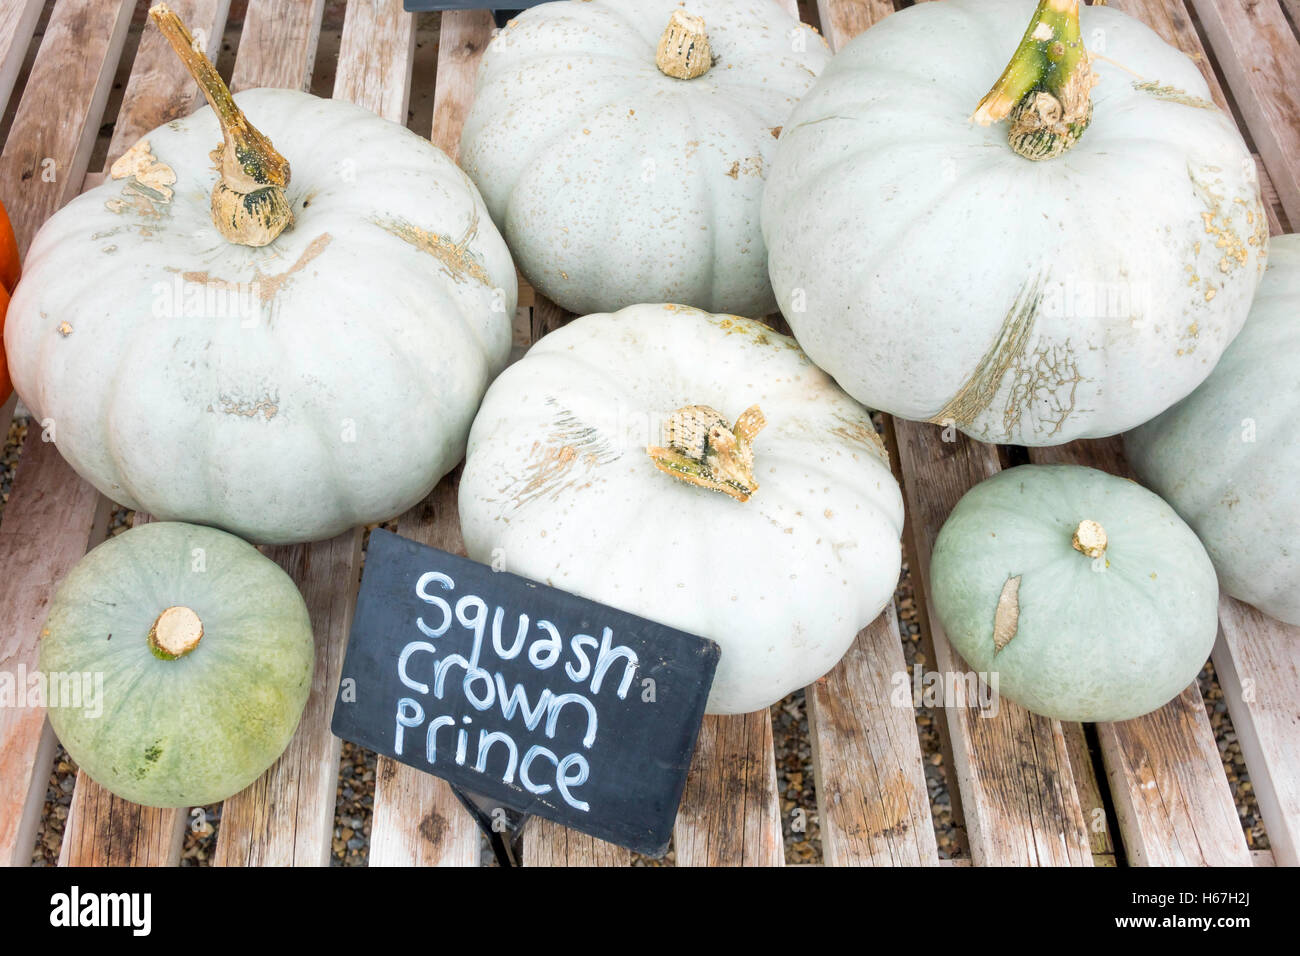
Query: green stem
[{"x": 1046, "y": 88}]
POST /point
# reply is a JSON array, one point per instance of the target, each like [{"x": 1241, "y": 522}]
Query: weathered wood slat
[
  {"x": 730, "y": 815},
  {"x": 549, "y": 844},
  {"x": 286, "y": 817},
  {"x": 1260, "y": 59},
  {"x": 104, "y": 830},
  {"x": 1257, "y": 660},
  {"x": 375, "y": 57},
  {"x": 461, "y": 43},
  {"x": 160, "y": 88},
  {"x": 52, "y": 515},
  {"x": 17, "y": 23},
  {"x": 1171, "y": 795},
  {"x": 871, "y": 791},
  {"x": 418, "y": 820},
  {"x": 54, "y": 128},
  {"x": 842, "y": 20},
  {"x": 1172, "y": 798},
  {"x": 50, "y": 520},
  {"x": 277, "y": 46}
]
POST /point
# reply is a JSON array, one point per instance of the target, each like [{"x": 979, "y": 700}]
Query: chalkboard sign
[
  {"x": 502, "y": 14},
  {"x": 543, "y": 701}
]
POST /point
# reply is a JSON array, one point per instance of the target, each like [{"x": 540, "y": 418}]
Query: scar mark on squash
[
  {"x": 1173, "y": 95},
  {"x": 267, "y": 407},
  {"x": 981, "y": 388},
  {"x": 761, "y": 333},
  {"x": 1045, "y": 383},
  {"x": 863, "y": 433},
  {"x": 454, "y": 255},
  {"x": 149, "y": 182},
  {"x": 264, "y": 287},
  {"x": 571, "y": 443},
  {"x": 1234, "y": 250},
  {"x": 1006, "y": 619},
  {"x": 751, "y": 166}
]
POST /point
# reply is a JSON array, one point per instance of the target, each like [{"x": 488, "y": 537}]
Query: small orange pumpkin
[{"x": 8, "y": 279}]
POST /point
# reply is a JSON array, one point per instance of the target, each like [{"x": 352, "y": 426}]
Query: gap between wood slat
[{"x": 873, "y": 802}]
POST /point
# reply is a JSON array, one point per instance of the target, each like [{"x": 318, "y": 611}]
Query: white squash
[
  {"x": 283, "y": 386},
  {"x": 940, "y": 276},
  {"x": 624, "y": 158},
  {"x": 558, "y": 487},
  {"x": 1226, "y": 457}
]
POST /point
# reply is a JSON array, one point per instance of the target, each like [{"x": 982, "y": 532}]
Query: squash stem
[
  {"x": 702, "y": 449},
  {"x": 1090, "y": 539},
  {"x": 684, "y": 51},
  {"x": 1046, "y": 89},
  {"x": 175, "y": 632},
  {"x": 248, "y": 202}
]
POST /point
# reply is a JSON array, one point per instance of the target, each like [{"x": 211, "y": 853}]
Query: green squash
[
  {"x": 1226, "y": 457},
  {"x": 1085, "y": 594},
  {"x": 205, "y": 651}
]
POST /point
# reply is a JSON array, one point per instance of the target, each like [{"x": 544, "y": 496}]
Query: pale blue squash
[
  {"x": 200, "y": 726},
  {"x": 1226, "y": 456},
  {"x": 1110, "y": 629}
]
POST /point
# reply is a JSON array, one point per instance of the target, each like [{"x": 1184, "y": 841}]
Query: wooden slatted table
[{"x": 1026, "y": 790}]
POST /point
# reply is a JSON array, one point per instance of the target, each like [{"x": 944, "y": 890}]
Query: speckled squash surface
[
  {"x": 940, "y": 276},
  {"x": 285, "y": 392},
  {"x": 559, "y": 487},
  {"x": 1086, "y": 633},
  {"x": 195, "y": 729},
  {"x": 616, "y": 183},
  {"x": 1227, "y": 456}
]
